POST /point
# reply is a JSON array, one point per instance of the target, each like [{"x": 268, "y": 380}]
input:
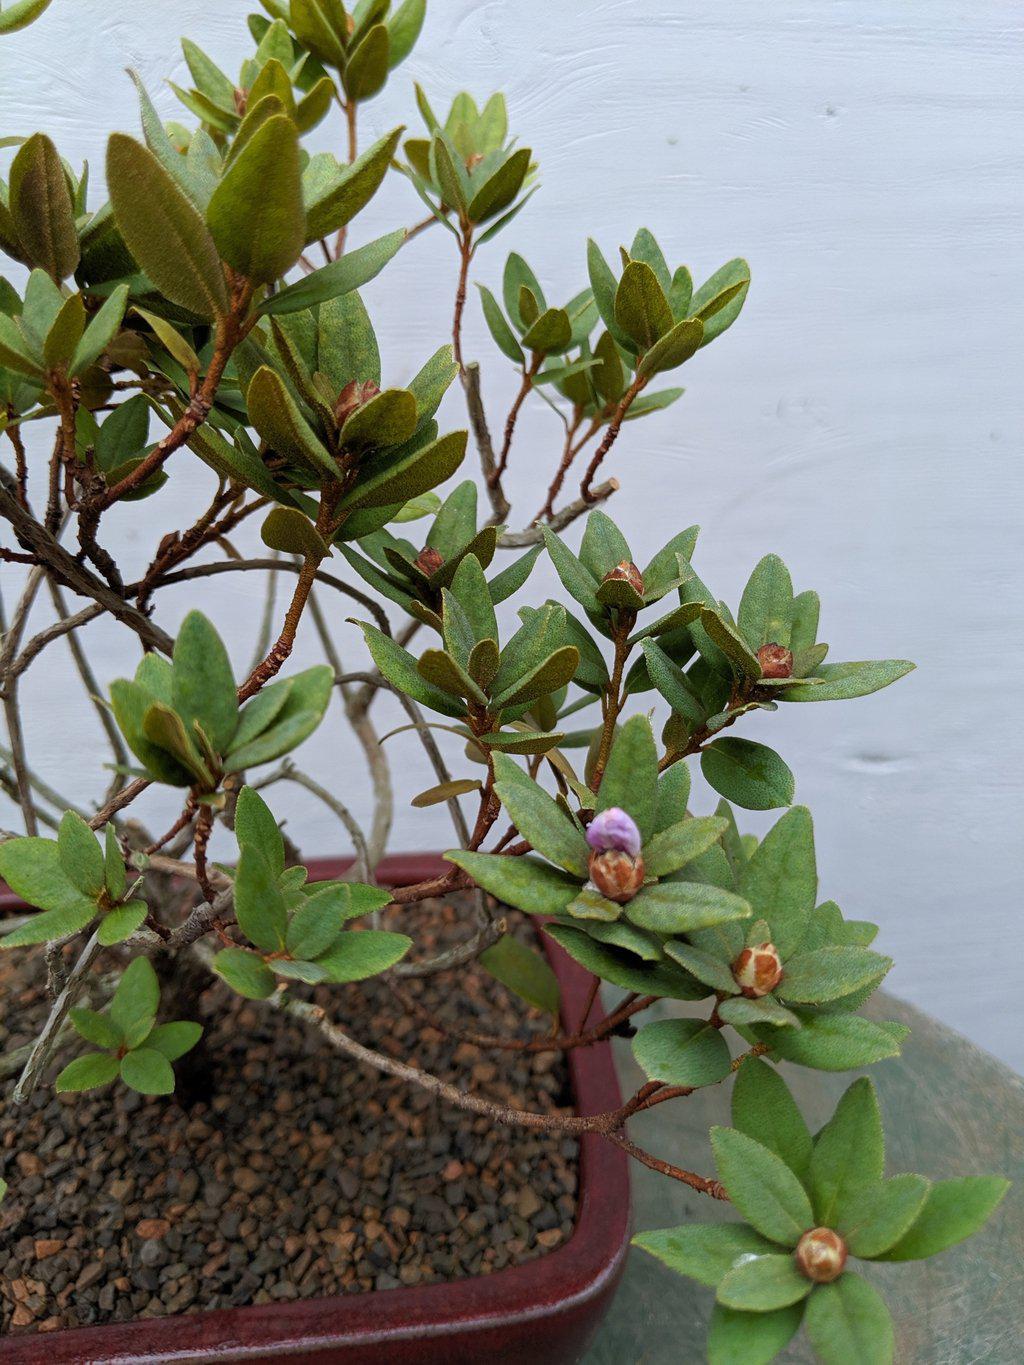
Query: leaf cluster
[{"x": 298, "y": 931}]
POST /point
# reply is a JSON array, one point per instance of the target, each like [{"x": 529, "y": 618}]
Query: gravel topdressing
[{"x": 304, "y": 1175}]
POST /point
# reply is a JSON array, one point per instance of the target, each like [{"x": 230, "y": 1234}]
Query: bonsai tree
[{"x": 208, "y": 314}]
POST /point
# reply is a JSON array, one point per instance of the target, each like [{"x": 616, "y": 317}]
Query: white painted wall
[{"x": 863, "y": 419}]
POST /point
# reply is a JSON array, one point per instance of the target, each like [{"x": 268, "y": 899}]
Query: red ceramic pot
[{"x": 544, "y": 1312}]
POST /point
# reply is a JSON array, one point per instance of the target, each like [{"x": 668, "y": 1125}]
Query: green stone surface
[{"x": 949, "y": 1109}]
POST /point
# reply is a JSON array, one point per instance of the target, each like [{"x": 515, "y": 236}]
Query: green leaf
[
  {"x": 320, "y": 26},
  {"x": 120, "y": 923},
  {"x": 66, "y": 332},
  {"x": 631, "y": 778},
  {"x": 278, "y": 419},
  {"x": 848, "y": 1323},
  {"x": 34, "y": 870},
  {"x": 751, "y": 1338},
  {"x": 366, "y": 69},
  {"x": 763, "y": 1283},
  {"x": 314, "y": 926},
  {"x": 705, "y": 1252},
  {"x": 100, "y": 332},
  {"x": 360, "y": 954},
  {"x": 18, "y": 15},
  {"x": 641, "y": 308},
  {"x": 577, "y": 581},
  {"x": 403, "y": 29},
  {"x": 526, "y": 882},
  {"x": 209, "y": 78},
  {"x": 872, "y": 1218},
  {"x": 163, "y": 229},
  {"x": 743, "y": 1013},
  {"x": 288, "y": 529},
  {"x": 830, "y": 973},
  {"x": 845, "y": 681},
  {"x": 444, "y": 791},
  {"x": 256, "y": 827},
  {"x": 849, "y": 1152},
  {"x": 953, "y": 1211},
  {"x": 761, "y": 1185},
  {"x": 259, "y": 713},
  {"x": 683, "y": 907},
  {"x": 148, "y": 1071},
  {"x": 348, "y": 272},
  {"x": 52, "y": 925},
  {"x": 676, "y": 347},
  {"x": 203, "y": 688},
  {"x": 399, "y": 668},
  {"x": 766, "y": 608},
  {"x": 524, "y": 971},
  {"x": 160, "y": 144},
  {"x": 539, "y": 819},
  {"x": 137, "y": 996},
  {"x": 41, "y": 208},
  {"x": 256, "y": 216},
  {"x": 428, "y": 387},
  {"x": 441, "y": 670},
  {"x": 388, "y": 419},
  {"x": 174, "y": 1040},
  {"x": 402, "y": 476},
  {"x": 259, "y": 905},
  {"x": 302, "y": 712},
  {"x": 499, "y": 189},
  {"x": 350, "y": 900},
  {"x": 682, "y": 1052},
  {"x": 672, "y": 848},
  {"x": 764, "y": 1109},
  {"x": 724, "y": 636},
  {"x": 549, "y": 333},
  {"x": 14, "y": 349},
  {"x": 622, "y": 968},
  {"x": 549, "y": 675},
  {"x": 504, "y": 337},
  {"x": 836, "y": 1042},
  {"x": 719, "y": 299},
  {"x": 80, "y": 854},
  {"x": 245, "y": 972},
  {"x": 780, "y": 880},
  {"x": 86, "y": 1073},
  {"x": 95, "y": 1028},
  {"x": 704, "y": 966}
]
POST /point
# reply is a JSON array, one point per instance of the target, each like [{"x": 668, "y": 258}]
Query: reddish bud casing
[
  {"x": 626, "y": 572},
  {"x": 616, "y": 874},
  {"x": 776, "y": 661},
  {"x": 428, "y": 560},
  {"x": 757, "y": 970},
  {"x": 821, "y": 1255},
  {"x": 356, "y": 394}
]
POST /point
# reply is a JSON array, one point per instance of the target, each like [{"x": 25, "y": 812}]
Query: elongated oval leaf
[
  {"x": 163, "y": 229},
  {"x": 256, "y": 216}
]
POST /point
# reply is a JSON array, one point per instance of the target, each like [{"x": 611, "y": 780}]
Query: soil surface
[{"x": 302, "y": 1174}]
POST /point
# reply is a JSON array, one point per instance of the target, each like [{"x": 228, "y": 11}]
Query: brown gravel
[{"x": 300, "y": 1175}]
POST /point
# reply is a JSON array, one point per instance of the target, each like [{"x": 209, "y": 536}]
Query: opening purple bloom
[{"x": 614, "y": 829}]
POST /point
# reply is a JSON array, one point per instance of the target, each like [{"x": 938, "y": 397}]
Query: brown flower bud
[
  {"x": 473, "y": 160},
  {"x": 356, "y": 394},
  {"x": 821, "y": 1255},
  {"x": 626, "y": 572},
  {"x": 241, "y": 99},
  {"x": 617, "y": 875},
  {"x": 757, "y": 970},
  {"x": 428, "y": 560},
  {"x": 776, "y": 661}
]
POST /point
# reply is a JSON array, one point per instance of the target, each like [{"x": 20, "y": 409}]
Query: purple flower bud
[{"x": 614, "y": 829}]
